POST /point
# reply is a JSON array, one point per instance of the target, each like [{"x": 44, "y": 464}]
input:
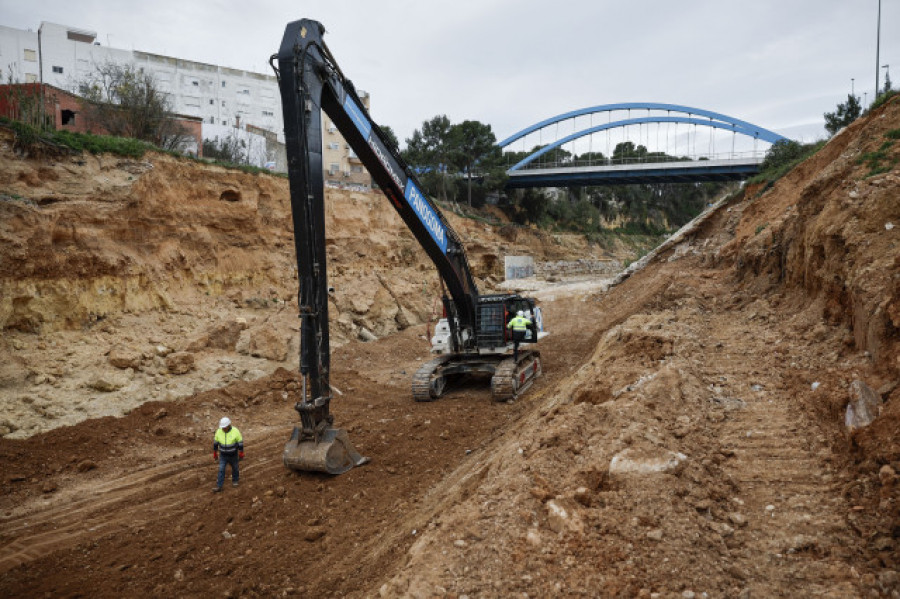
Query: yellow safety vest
[
  {"x": 519, "y": 323},
  {"x": 229, "y": 442}
]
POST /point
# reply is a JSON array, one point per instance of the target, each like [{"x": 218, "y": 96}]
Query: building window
[
  {"x": 223, "y": 103},
  {"x": 334, "y": 145},
  {"x": 223, "y": 84},
  {"x": 333, "y": 168},
  {"x": 224, "y": 122},
  {"x": 68, "y": 116},
  {"x": 30, "y": 55},
  {"x": 212, "y": 120},
  {"x": 211, "y": 102},
  {"x": 30, "y": 78},
  {"x": 57, "y": 69},
  {"x": 195, "y": 83}
]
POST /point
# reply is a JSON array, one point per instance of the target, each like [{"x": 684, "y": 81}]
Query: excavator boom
[{"x": 310, "y": 82}]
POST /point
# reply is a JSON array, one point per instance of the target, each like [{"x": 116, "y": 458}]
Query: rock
[
  {"x": 864, "y": 406},
  {"x": 737, "y": 519},
  {"x": 583, "y": 496},
  {"x": 314, "y": 533},
  {"x": 366, "y": 335},
  {"x": 106, "y": 384},
  {"x": 85, "y": 465},
  {"x": 227, "y": 535},
  {"x": 560, "y": 518},
  {"x": 179, "y": 575},
  {"x": 243, "y": 343},
  {"x": 48, "y": 487},
  {"x": 633, "y": 461},
  {"x": 162, "y": 351},
  {"x": 887, "y": 476},
  {"x": 533, "y": 537},
  {"x": 160, "y": 414},
  {"x": 224, "y": 335},
  {"x": 180, "y": 363},
  {"x": 723, "y": 529},
  {"x": 460, "y": 543},
  {"x": 800, "y": 543},
  {"x": 252, "y": 374},
  {"x": 887, "y": 388},
  {"x": 266, "y": 342},
  {"x": 124, "y": 357},
  {"x": 655, "y": 535}
]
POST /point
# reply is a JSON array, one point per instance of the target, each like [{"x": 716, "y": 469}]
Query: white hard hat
[
  {"x": 520, "y": 313},
  {"x": 224, "y": 422}
]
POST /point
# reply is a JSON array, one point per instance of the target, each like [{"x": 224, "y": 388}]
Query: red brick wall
[{"x": 57, "y": 104}]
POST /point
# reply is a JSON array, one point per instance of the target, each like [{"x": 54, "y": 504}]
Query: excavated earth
[{"x": 687, "y": 439}]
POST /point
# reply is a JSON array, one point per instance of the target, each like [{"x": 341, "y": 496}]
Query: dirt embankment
[
  {"x": 125, "y": 281},
  {"x": 686, "y": 440}
]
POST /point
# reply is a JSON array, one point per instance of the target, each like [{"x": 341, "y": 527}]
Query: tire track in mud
[
  {"x": 104, "y": 506},
  {"x": 788, "y": 535}
]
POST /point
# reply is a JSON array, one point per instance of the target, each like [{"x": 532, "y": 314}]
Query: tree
[
  {"x": 845, "y": 114},
  {"x": 471, "y": 141},
  {"x": 390, "y": 136},
  {"x": 230, "y": 149},
  {"x": 429, "y": 152},
  {"x": 127, "y": 102},
  {"x": 782, "y": 152}
]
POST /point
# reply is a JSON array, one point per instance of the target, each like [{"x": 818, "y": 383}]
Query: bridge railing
[{"x": 748, "y": 156}]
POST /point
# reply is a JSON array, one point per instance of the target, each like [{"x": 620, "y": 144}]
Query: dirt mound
[{"x": 702, "y": 450}]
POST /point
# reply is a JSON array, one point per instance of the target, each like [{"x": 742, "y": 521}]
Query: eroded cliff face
[
  {"x": 86, "y": 237},
  {"x": 109, "y": 265},
  {"x": 828, "y": 232}
]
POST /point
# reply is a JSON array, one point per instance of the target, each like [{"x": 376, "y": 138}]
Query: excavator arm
[{"x": 310, "y": 82}]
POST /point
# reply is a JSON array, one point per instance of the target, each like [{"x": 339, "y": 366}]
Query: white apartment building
[{"x": 223, "y": 97}]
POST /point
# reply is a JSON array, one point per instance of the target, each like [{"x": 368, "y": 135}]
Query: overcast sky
[{"x": 510, "y": 63}]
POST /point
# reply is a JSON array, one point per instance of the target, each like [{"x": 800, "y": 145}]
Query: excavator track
[
  {"x": 425, "y": 387},
  {"x": 511, "y": 378}
]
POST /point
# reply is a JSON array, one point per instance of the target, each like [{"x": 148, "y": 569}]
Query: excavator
[{"x": 473, "y": 337}]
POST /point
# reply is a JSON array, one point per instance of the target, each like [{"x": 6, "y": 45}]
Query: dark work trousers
[
  {"x": 224, "y": 460},
  {"x": 518, "y": 337}
]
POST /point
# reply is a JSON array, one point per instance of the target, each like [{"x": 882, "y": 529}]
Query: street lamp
[
  {"x": 852, "y": 93},
  {"x": 878, "y": 49}
]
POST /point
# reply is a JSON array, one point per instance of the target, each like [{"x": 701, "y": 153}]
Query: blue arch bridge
[{"x": 635, "y": 142}]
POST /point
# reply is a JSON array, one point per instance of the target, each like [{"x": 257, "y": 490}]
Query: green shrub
[{"x": 781, "y": 158}]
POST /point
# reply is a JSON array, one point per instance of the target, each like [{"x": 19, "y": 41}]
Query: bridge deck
[{"x": 623, "y": 174}]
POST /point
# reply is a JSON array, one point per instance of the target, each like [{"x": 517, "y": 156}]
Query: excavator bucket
[{"x": 332, "y": 453}]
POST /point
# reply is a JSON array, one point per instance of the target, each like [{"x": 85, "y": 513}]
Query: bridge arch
[{"x": 711, "y": 119}]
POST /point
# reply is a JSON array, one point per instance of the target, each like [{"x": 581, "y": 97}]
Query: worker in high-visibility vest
[
  {"x": 228, "y": 449},
  {"x": 519, "y": 326}
]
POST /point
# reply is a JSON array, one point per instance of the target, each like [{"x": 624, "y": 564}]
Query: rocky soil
[
  {"x": 124, "y": 281},
  {"x": 688, "y": 437}
]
